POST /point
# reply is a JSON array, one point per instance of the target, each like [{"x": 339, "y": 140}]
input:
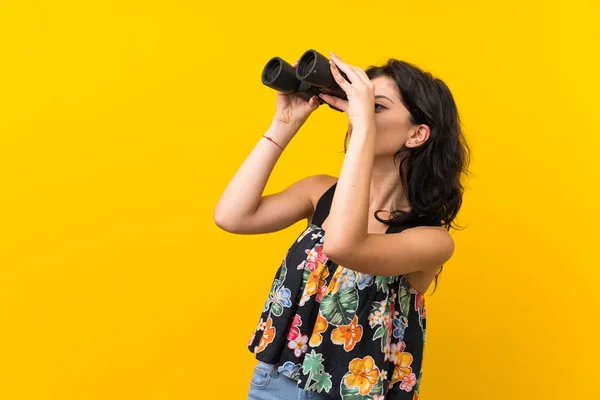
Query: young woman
[{"x": 345, "y": 318}]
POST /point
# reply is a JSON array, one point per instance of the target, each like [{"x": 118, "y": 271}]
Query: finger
[
  {"x": 314, "y": 103},
  {"x": 344, "y": 84},
  {"x": 334, "y": 101},
  {"x": 347, "y": 69},
  {"x": 294, "y": 65},
  {"x": 362, "y": 75}
]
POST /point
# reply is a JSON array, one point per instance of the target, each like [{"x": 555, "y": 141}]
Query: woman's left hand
[{"x": 360, "y": 106}]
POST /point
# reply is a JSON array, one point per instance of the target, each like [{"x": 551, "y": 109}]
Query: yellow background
[{"x": 121, "y": 122}]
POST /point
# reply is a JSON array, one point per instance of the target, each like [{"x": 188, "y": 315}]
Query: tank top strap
[{"x": 323, "y": 206}]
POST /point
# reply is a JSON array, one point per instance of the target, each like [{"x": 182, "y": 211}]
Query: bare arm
[{"x": 242, "y": 207}]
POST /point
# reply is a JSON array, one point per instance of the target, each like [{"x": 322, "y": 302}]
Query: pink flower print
[
  {"x": 387, "y": 320},
  {"x": 311, "y": 259},
  {"x": 408, "y": 382},
  {"x": 314, "y": 257},
  {"x": 299, "y": 345},
  {"x": 301, "y": 265},
  {"x": 297, "y": 321},
  {"x": 373, "y": 320},
  {"x": 320, "y": 255},
  {"x": 378, "y": 317},
  {"x": 321, "y": 293},
  {"x": 294, "y": 330},
  {"x": 382, "y": 306},
  {"x": 387, "y": 351},
  {"x": 293, "y": 333},
  {"x": 395, "y": 352}
]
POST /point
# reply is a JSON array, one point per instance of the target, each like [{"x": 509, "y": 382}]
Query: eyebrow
[{"x": 380, "y": 96}]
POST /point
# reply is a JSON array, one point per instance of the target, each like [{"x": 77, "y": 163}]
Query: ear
[{"x": 419, "y": 136}]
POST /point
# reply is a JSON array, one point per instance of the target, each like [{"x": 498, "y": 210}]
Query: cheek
[
  {"x": 393, "y": 133},
  {"x": 385, "y": 126}
]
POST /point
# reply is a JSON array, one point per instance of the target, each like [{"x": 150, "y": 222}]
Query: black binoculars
[{"x": 311, "y": 77}]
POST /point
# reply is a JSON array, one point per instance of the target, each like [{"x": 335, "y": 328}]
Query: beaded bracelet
[{"x": 268, "y": 138}]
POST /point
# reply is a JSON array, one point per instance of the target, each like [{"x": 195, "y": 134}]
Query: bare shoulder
[{"x": 317, "y": 185}]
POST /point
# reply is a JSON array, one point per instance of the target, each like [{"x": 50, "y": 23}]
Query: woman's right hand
[{"x": 292, "y": 110}]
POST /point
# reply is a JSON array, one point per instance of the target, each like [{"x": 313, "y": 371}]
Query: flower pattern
[
  {"x": 347, "y": 335},
  {"x": 290, "y": 369},
  {"x": 267, "y": 336},
  {"x": 350, "y": 335},
  {"x": 320, "y": 327},
  {"x": 363, "y": 375}
]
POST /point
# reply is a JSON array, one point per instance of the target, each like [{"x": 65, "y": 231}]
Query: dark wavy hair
[{"x": 434, "y": 169}]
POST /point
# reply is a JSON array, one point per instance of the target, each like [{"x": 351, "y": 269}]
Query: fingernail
[{"x": 333, "y": 54}]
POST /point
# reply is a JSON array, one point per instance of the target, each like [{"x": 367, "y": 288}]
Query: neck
[{"x": 386, "y": 189}]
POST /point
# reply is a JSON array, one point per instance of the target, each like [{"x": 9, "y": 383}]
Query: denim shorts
[{"x": 268, "y": 384}]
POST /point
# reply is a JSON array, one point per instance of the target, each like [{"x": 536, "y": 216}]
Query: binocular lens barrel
[
  {"x": 306, "y": 64},
  {"x": 280, "y": 75},
  {"x": 272, "y": 70},
  {"x": 314, "y": 68},
  {"x": 312, "y": 76}
]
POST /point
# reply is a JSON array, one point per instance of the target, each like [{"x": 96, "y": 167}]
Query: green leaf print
[
  {"x": 377, "y": 388},
  {"x": 277, "y": 309},
  {"x": 283, "y": 272},
  {"x": 353, "y": 393},
  {"x": 379, "y": 333},
  {"x": 382, "y": 332},
  {"x": 375, "y": 306},
  {"x": 404, "y": 297},
  {"x": 313, "y": 364},
  {"x": 339, "y": 308},
  {"x": 305, "y": 274},
  {"x": 382, "y": 282},
  {"x": 322, "y": 382}
]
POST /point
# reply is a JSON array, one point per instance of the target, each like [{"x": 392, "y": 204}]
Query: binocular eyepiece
[{"x": 311, "y": 77}]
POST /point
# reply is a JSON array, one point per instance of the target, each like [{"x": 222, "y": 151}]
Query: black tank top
[
  {"x": 324, "y": 206},
  {"x": 340, "y": 332}
]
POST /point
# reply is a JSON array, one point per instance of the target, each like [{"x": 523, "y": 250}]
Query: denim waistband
[{"x": 273, "y": 367}]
